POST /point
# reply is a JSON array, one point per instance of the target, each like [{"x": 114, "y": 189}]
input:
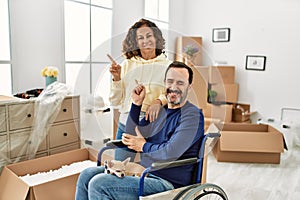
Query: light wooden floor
[{"x": 258, "y": 181}]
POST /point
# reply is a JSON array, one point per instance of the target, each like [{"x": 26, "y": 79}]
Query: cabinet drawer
[
  {"x": 63, "y": 134},
  {"x": 3, "y": 148},
  {"x": 65, "y": 148},
  {"x": 69, "y": 110},
  {"x": 2, "y": 119},
  {"x": 19, "y": 142},
  {"x": 20, "y": 115}
]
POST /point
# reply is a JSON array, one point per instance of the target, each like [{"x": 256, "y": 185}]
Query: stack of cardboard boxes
[{"x": 240, "y": 140}]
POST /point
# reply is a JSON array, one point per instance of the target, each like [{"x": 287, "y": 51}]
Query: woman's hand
[
  {"x": 115, "y": 70},
  {"x": 153, "y": 110},
  {"x": 134, "y": 142}
]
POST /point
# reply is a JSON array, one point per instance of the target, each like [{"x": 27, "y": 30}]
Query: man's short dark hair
[{"x": 177, "y": 64}]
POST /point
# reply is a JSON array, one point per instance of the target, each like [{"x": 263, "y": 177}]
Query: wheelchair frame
[{"x": 195, "y": 191}]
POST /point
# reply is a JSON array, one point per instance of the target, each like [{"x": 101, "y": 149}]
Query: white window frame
[
  {"x": 157, "y": 18},
  {"x": 7, "y": 82},
  {"x": 89, "y": 62}
]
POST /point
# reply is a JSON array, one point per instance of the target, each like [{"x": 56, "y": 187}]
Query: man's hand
[
  {"x": 134, "y": 142},
  {"x": 138, "y": 94},
  {"x": 153, "y": 110}
]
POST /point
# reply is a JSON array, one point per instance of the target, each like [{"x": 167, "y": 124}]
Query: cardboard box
[
  {"x": 241, "y": 112},
  {"x": 226, "y": 92},
  {"x": 198, "y": 93},
  {"x": 221, "y": 112},
  {"x": 210, "y": 121},
  {"x": 13, "y": 188},
  {"x": 250, "y": 143},
  {"x": 222, "y": 74}
]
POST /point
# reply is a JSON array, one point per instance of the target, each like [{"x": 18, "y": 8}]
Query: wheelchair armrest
[
  {"x": 214, "y": 135},
  {"x": 115, "y": 143},
  {"x": 176, "y": 163},
  {"x": 159, "y": 165}
]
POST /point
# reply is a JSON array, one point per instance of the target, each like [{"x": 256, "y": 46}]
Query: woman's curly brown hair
[{"x": 130, "y": 47}]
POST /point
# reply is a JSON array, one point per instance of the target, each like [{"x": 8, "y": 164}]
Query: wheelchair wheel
[{"x": 204, "y": 191}]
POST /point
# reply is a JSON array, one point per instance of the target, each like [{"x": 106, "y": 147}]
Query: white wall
[
  {"x": 36, "y": 41},
  {"x": 270, "y": 28}
]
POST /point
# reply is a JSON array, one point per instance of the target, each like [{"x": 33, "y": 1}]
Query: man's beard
[{"x": 179, "y": 100}]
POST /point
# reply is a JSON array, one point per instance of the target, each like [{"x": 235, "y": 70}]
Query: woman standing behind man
[{"x": 145, "y": 63}]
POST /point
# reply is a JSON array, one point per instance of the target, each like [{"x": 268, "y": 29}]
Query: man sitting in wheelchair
[{"x": 175, "y": 134}]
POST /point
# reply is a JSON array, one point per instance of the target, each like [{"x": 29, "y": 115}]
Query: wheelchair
[{"x": 194, "y": 191}]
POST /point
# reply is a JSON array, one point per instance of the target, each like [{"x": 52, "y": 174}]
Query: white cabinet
[{"x": 16, "y": 127}]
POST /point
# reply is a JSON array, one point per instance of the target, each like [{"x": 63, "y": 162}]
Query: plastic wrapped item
[
  {"x": 47, "y": 106},
  {"x": 291, "y": 119},
  {"x": 96, "y": 121},
  {"x": 296, "y": 131}
]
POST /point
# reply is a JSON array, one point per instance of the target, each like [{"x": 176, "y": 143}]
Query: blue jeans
[
  {"x": 94, "y": 184},
  {"x": 123, "y": 153}
]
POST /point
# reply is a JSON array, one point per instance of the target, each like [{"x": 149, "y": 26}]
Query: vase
[{"x": 50, "y": 79}]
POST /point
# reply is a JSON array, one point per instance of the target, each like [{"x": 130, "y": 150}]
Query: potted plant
[
  {"x": 212, "y": 95},
  {"x": 50, "y": 73},
  {"x": 190, "y": 51}
]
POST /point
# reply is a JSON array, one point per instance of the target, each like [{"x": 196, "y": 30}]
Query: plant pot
[
  {"x": 211, "y": 99},
  {"x": 50, "y": 79}
]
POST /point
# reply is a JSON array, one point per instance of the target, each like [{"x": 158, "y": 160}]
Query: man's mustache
[{"x": 173, "y": 91}]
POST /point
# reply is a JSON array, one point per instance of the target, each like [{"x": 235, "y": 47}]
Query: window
[
  {"x": 88, "y": 25},
  {"x": 158, "y": 12},
  {"x": 5, "y": 58}
]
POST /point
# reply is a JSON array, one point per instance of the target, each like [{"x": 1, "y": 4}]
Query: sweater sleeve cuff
[
  {"x": 115, "y": 84},
  {"x": 135, "y": 112},
  {"x": 146, "y": 147}
]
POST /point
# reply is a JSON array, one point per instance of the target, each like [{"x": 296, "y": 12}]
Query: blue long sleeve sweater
[{"x": 175, "y": 134}]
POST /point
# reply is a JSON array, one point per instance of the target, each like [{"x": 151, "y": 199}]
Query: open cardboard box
[
  {"x": 250, "y": 143},
  {"x": 13, "y": 188},
  {"x": 241, "y": 112}
]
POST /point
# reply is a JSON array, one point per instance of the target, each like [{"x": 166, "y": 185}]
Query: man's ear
[{"x": 190, "y": 86}]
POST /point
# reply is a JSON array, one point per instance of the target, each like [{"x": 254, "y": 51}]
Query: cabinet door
[
  {"x": 62, "y": 134},
  {"x": 20, "y": 115},
  {"x": 2, "y": 119},
  {"x": 69, "y": 109},
  {"x": 3, "y": 148},
  {"x": 19, "y": 142}
]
